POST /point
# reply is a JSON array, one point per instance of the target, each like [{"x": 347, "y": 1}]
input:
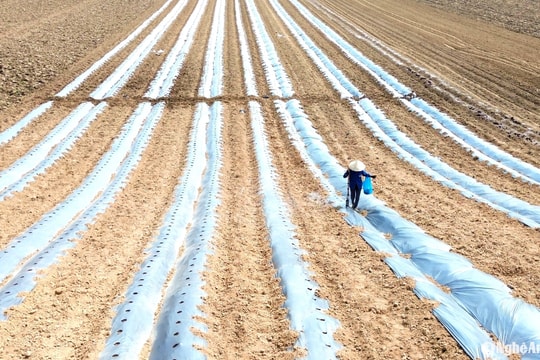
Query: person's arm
[
  {"x": 346, "y": 174},
  {"x": 366, "y": 174}
]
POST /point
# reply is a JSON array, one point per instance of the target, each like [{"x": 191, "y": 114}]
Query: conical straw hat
[{"x": 356, "y": 165}]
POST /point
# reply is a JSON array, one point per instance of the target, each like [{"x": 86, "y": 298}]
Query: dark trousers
[{"x": 355, "y": 195}]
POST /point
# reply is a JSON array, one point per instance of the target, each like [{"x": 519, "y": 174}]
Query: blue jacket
[{"x": 355, "y": 178}]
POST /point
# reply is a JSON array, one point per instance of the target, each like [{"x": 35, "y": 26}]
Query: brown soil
[{"x": 466, "y": 61}]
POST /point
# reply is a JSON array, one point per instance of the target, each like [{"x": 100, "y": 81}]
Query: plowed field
[{"x": 482, "y": 74}]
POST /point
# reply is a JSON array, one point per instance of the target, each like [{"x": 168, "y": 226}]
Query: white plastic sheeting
[
  {"x": 305, "y": 308},
  {"x": 212, "y": 82},
  {"x": 474, "y": 340},
  {"x": 169, "y": 70},
  {"x": 40, "y": 152},
  {"x": 453, "y": 314},
  {"x": 57, "y": 230},
  {"x": 122, "y": 73},
  {"x": 74, "y": 85},
  {"x": 460, "y": 324},
  {"x": 277, "y": 79},
  {"x": 133, "y": 322},
  {"x": 47, "y": 152},
  {"x": 10, "y": 133},
  {"x": 134, "y": 318},
  {"x": 174, "y": 336},
  {"x": 39, "y": 234},
  {"x": 385, "y": 130},
  {"x": 484, "y": 150},
  {"x": 478, "y": 148},
  {"x": 331, "y": 72},
  {"x": 249, "y": 76},
  {"x": 477, "y": 294},
  {"x": 398, "y": 142}
]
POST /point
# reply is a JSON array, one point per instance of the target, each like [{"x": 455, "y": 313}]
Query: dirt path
[
  {"x": 244, "y": 302},
  {"x": 482, "y": 75}
]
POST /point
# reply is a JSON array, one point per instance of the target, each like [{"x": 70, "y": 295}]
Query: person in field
[{"x": 355, "y": 171}]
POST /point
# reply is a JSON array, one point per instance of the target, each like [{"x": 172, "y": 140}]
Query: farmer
[{"x": 355, "y": 172}]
